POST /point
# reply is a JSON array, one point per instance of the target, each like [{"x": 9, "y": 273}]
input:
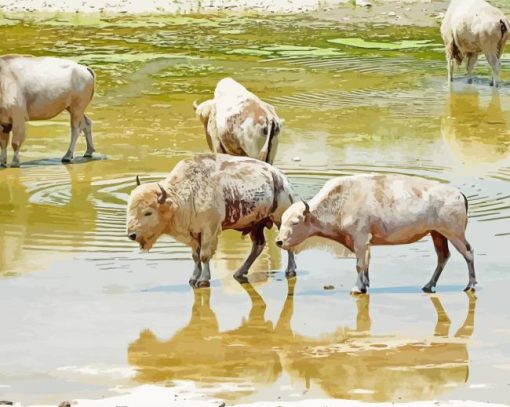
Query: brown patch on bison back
[{"x": 236, "y": 207}]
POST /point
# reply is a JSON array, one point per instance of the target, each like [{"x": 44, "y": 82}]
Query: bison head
[
  {"x": 148, "y": 214},
  {"x": 296, "y": 226}
]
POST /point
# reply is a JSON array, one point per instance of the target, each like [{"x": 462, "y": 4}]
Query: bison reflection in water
[
  {"x": 370, "y": 368},
  {"x": 477, "y": 136},
  {"x": 348, "y": 364}
]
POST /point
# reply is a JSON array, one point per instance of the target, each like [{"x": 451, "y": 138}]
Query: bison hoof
[
  {"x": 358, "y": 291},
  {"x": 241, "y": 278},
  {"x": 15, "y": 164},
  {"x": 290, "y": 273},
  {"x": 192, "y": 282},
  {"x": 67, "y": 160},
  {"x": 202, "y": 284},
  {"x": 469, "y": 289},
  {"x": 428, "y": 290}
]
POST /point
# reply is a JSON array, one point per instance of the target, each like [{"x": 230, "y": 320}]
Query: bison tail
[
  {"x": 91, "y": 72},
  {"x": 195, "y": 105},
  {"x": 265, "y": 153},
  {"x": 505, "y": 26},
  {"x": 466, "y": 204}
]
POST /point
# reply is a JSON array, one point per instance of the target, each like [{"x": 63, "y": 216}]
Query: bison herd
[{"x": 237, "y": 187}]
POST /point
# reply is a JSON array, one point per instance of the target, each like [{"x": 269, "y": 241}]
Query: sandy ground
[
  {"x": 165, "y": 397},
  {"x": 186, "y": 6}
]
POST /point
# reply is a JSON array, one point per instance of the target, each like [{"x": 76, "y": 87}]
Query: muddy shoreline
[{"x": 415, "y": 12}]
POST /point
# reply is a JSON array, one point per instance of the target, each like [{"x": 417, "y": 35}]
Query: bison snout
[
  {"x": 132, "y": 236},
  {"x": 279, "y": 243}
]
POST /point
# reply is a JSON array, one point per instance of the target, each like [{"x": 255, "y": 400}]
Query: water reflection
[
  {"x": 355, "y": 365},
  {"x": 476, "y": 134},
  {"x": 35, "y": 198},
  {"x": 348, "y": 363}
]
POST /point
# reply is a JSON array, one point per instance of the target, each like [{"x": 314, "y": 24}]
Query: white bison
[
  {"x": 238, "y": 123},
  {"x": 364, "y": 210},
  {"x": 472, "y": 27},
  {"x": 33, "y": 88},
  {"x": 203, "y": 196}
]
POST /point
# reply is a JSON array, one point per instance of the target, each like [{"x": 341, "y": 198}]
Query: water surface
[{"x": 84, "y": 314}]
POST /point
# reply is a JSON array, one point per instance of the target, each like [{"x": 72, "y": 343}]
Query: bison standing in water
[
  {"x": 34, "y": 88},
  {"x": 238, "y": 123},
  {"x": 472, "y": 27},
  {"x": 365, "y": 210},
  {"x": 203, "y": 196}
]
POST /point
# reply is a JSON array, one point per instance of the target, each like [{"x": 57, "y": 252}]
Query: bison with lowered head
[
  {"x": 471, "y": 28},
  {"x": 33, "y": 88},
  {"x": 365, "y": 210},
  {"x": 203, "y": 196},
  {"x": 238, "y": 123}
]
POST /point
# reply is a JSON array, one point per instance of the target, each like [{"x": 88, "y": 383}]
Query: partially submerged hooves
[
  {"x": 66, "y": 160},
  {"x": 357, "y": 291},
  {"x": 469, "y": 289},
  {"x": 428, "y": 290},
  {"x": 290, "y": 273},
  {"x": 241, "y": 279},
  {"x": 202, "y": 284}
]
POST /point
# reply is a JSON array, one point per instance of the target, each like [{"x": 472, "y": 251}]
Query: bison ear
[
  {"x": 306, "y": 212},
  {"x": 138, "y": 183},
  {"x": 163, "y": 196}
]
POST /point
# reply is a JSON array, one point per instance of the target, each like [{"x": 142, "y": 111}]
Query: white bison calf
[
  {"x": 203, "y": 196},
  {"x": 471, "y": 27},
  {"x": 359, "y": 211},
  {"x": 238, "y": 123},
  {"x": 33, "y": 88}
]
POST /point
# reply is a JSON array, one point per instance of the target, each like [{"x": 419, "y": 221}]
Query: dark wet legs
[
  {"x": 291, "y": 265},
  {"x": 466, "y": 250},
  {"x": 4, "y": 141},
  {"x": 197, "y": 271},
  {"x": 362, "y": 251},
  {"x": 443, "y": 254},
  {"x": 258, "y": 244}
]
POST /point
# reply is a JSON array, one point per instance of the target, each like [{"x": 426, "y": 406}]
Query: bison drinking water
[{"x": 364, "y": 210}]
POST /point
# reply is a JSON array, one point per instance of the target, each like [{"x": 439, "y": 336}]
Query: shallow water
[{"x": 84, "y": 314}]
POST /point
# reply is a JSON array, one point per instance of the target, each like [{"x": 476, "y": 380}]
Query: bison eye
[
  {"x": 147, "y": 214},
  {"x": 296, "y": 222}
]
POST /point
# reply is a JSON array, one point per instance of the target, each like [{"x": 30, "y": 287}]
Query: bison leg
[
  {"x": 258, "y": 244},
  {"x": 471, "y": 61},
  {"x": 18, "y": 136},
  {"x": 362, "y": 251},
  {"x": 291, "y": 265},
  {"x": 4, "y": 142},
  {"x": 443, "y": 254},
  {"x": 494, "y": 62},
  {"x": 450, "y": 62},
  {"x": 75, "y": 132},
  {"x": 197, "y": 271},
  {"x": 464, "y": 248},
  {"x": 208, "y": 243},
  {"x": 86, "y": 127}
]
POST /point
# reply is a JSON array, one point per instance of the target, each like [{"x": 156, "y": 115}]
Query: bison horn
[
  {"x": 138, "y": 180},
  {"x": 162, "y": 198},
  {"x": 307, "y": 208}
]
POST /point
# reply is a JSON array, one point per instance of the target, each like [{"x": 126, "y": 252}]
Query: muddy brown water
[{"x": 84, "y": 314}]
